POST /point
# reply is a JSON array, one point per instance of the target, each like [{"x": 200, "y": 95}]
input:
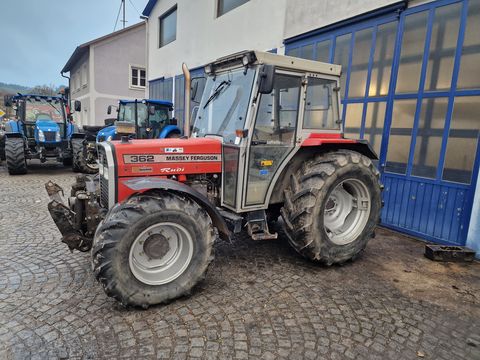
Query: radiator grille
[
  {"x": 102, "y": 157},
  {"x": 49, "y": 135}
]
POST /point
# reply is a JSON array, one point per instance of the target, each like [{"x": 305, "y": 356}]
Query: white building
[
  {"x": 107, "y": 69},
  {"x": 410, "y": 85}
]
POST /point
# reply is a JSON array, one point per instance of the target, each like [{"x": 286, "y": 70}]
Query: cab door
[{"x": 272, "y": 137}]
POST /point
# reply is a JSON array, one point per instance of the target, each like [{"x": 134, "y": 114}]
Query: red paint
[
  {"x": 317, "y": 139},
  {"x": 189, "y": 146}
]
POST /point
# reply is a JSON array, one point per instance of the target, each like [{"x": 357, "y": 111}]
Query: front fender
[
  {"x": 149, "y": 183},
  {"x": 167, "y": 130},
  {"x": 106, "y": 132}
]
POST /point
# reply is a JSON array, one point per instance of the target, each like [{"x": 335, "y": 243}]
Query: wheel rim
[
  {"x": 347, "y": 211},
  {"x": 161, "y": 253},
  {"x": 91, "y": 162}
]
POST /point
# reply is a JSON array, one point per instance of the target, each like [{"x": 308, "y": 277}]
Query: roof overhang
[{"x": 149, "y": 7}]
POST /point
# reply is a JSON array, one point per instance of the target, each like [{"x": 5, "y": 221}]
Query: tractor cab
[
  {"x": 263, "y": 107},
  {"x": 42, "y": 119},
  {"x": 152, "y": 120}
]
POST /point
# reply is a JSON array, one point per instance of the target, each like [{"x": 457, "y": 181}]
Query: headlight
[
  {"x": 57, "y": 136},
  {"x": 109, "y": 138},
  {"x": 41, "y": 136}
]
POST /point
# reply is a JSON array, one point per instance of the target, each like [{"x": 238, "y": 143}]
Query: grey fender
[{"x": 149, "y": 183}]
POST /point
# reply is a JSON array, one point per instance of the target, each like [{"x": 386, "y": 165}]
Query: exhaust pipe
[{"x": 188, "y": 89}]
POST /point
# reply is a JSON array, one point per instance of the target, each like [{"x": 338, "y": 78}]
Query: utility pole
[{"x": 124, "y": 21}]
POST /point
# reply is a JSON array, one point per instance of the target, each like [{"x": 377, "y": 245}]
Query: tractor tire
[
  {"x": 15, "y": 156},
  {"x": 332, "y": 206},
  {"x": 174, "y": 135},
  {"x": 77, "y": 145},
  {"x": 79, "y": 161},
  {"x": 67, "y": 161},
  {"x": 153, "y": 248}
]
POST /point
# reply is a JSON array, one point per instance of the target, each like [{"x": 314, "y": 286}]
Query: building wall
[
  {"x": 112, "y": 59},
  {"x": 473, "y": 239},
  {"x": 105, "y": 75},
  {"x": 202, "y": 37},
  {"x": 80, "y": 88},
  {"x": 306, "y": 15}
]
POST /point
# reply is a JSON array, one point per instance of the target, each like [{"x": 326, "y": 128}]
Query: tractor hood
[
  {"x": 166, "y": 157},
  {"x": 106, "y": 132},
  {"x": 47, "y": 125}
]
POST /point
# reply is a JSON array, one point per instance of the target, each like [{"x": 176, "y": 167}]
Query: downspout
[
  {"x": 147, "y": 35},
  {"x": 188, "y": 88}
]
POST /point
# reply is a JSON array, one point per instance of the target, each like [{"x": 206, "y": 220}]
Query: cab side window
[{"x": 320, "y": 107}]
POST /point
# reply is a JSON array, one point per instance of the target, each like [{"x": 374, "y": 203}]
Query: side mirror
[
  {"x": 109, "y": 109},
  {"x": 267, "y": 77},
  {"x": 77, "y": 105},
  {"x": 8, "y": 101},
  {"x": 151, "y": 110},
  {"x": 109, "y": 121}
]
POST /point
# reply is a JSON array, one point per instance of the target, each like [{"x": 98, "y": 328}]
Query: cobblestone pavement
[{"x": 260, "y": 300}]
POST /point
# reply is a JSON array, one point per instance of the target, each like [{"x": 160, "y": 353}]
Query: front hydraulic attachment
[{"x": 78, "y": 221}]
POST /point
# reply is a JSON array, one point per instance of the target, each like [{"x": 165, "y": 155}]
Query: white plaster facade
[{"x": 100, "y": 72}]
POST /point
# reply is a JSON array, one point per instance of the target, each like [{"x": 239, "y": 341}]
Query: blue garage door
[{"x": 411, "y": 87}]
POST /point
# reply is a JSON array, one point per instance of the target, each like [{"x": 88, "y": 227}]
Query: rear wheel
[
  {"x": 152, "y": 249},
  {"x": 174, "y": 135},
  {"x": 83, "y": 161},
  {"x": 332, "y": 206},
  {"x": 15, "y": 156}
]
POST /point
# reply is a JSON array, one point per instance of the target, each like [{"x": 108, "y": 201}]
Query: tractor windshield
[
  {"x": 224, "y": 104},
  {"x": 44, "y": 109},
  {"x": 144, "y": 118},
  {"x": 148, "y": 125}
]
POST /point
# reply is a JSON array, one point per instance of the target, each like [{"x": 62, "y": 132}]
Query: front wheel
[
  {"x": 332, "y": 206},
  {"x": 152, "y": 249}
]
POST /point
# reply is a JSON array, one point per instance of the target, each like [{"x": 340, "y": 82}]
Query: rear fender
[
  {"x": 311, "y": 148},
  {"x": 333, "y": 144},
  {"x": 12, "y": 135},
  {"x": 13, "y": 127},
  {"x": 144, "y": 184},
  {"x": 167, "y": 130}
]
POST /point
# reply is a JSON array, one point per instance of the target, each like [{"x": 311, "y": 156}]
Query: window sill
[{"x": 132, "y": 87}]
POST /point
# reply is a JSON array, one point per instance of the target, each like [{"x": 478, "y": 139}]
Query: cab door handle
[{"x": 259, "y": 142}]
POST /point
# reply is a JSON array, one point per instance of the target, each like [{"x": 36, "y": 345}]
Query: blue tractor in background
[
  {"x": 41, "y": 130},
  {"x": 152, "y": 120}
]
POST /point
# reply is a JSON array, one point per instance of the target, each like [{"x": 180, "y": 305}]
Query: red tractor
[{"x": 267, "y": 141}]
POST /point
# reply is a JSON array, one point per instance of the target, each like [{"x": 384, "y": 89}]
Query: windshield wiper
[{"x": 222, "y": 86}]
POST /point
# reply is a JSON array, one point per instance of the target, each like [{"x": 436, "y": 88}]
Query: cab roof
[
  {"x": 27, "y": 96},
  {"x": 151, "y": 101},
  {"x": 280, "y": 61}
]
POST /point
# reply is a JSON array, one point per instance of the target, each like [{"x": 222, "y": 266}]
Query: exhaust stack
[{"x": 188, "y": 88}]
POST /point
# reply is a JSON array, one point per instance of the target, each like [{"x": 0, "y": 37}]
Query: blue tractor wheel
[{"x": 15, "y": 156}]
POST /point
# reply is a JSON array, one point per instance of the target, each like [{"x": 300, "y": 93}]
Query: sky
[{"x": 38, "y": 36}]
